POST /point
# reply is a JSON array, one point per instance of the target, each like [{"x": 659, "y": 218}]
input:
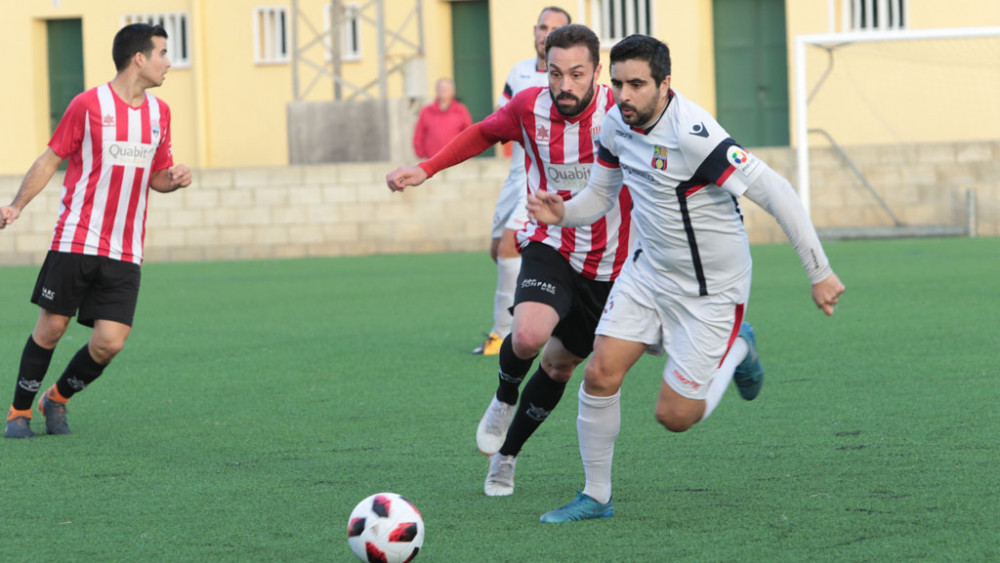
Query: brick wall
[{"x": 343, "y": 209}]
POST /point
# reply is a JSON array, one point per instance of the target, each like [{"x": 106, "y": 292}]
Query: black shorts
[
  {"x": 97, "y": 286},
  {"x": 547, "y": 277}
]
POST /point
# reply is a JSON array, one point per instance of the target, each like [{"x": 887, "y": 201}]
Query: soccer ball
[{"x": 385, "y": 528}]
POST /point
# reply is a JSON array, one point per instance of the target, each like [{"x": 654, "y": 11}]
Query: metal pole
[
  {"x": 337, "y": 20},
  {"x": 420, "y": 27},
  {"x": 295, "y": 49},
  {"x": 801, "y": 128},
  {"x": 970, "y": 205},
  {"x": 383, "y": 87}
]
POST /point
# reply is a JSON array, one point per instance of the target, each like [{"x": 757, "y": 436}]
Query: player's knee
[
  {"x": 527, "y": 343},
  {"x": 599, "y": 380},
  {"x": 48, "y": 332},
  {"x": 560, "y": 371},
  {"x": 104, "y": 351}
]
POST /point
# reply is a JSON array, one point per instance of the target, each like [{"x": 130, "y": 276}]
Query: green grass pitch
[{"x": 257, "y": 402}]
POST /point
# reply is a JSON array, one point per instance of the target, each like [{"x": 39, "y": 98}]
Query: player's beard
[
  {"x": 577, "y": 108},
  {"x": 640, "y": 116}
]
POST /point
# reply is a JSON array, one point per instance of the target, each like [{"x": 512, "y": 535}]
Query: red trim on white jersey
[
  {"x": 558, "y": 149},
  {"x": 113, "y": 149}
]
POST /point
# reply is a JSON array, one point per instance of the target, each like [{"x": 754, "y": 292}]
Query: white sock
[
  {"x": 724, "y": 375},
  {"x": 597, "y": 424},
  {"x": 503, "y": 299}
]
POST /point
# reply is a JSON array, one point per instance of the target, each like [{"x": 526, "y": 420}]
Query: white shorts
[
  {"x": 510, "y": 210},
  {"x": 696, "y": 332}
]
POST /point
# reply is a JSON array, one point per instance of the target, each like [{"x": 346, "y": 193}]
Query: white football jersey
[
  {"x": 684, "y": 174},
  {"x": 523, "y": 75}
]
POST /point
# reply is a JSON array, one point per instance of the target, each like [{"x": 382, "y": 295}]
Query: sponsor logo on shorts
[
  {"x": 685, "y": 381},
  {"x": 48, "y": 294},
  {"x": 533, "y": 283}
]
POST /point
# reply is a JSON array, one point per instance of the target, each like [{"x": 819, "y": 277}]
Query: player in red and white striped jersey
[
  {"x": 117, "y": 140},
  {"x": 510, "y": 215},
  {"x": 566, "y": 273}
]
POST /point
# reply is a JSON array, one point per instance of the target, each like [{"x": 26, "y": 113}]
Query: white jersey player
[
  {"x": 510, "y": 215},
  {"x": 685, "y": 288}
]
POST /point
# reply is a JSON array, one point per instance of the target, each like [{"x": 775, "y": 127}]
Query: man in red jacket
[{"x": 440, "y": 121}]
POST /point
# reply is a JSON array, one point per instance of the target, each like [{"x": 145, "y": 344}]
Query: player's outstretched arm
[
  {"x": 470, "y": 142},
  {"x": 35, "y": 180},
  {"x": 170, "y": 179},
  {"x": 404, "y": 176},
  {"x": 827, "y": 292}
]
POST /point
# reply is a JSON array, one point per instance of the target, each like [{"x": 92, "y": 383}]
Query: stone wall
[{"x": 345, "y": 209}]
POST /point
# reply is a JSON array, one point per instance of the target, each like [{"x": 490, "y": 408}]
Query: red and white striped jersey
[
  {"x": 558, "y": 155},
  {"x": 113, "y": 149}
]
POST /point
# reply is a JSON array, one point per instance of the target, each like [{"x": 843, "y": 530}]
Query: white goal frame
[{"x": 840, "y": 39}]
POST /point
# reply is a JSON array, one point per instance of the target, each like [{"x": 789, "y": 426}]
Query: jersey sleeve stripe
[
  {"x": 716, "y": 167},
  {"x": 605, "y": 157}
]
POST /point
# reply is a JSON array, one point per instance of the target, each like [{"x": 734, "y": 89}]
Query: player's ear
[{"x": 597, "y": 74}]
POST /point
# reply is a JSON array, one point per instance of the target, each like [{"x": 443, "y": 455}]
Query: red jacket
[{"x": 436, "y": 127}]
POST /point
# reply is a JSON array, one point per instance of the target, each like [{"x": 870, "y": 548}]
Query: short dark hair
[
  {"x": 558, "y": 10},
  {"x": 572, "y": 35},
  {"x": 134, "y": 38},
  {"x": 644, "y": 48}
]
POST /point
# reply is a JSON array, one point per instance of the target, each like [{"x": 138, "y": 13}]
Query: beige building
[
  {"x": 918, "y": 119},
  {"x": 235, "y": 64}
]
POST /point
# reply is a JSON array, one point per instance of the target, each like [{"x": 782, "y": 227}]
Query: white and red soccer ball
[{"x": 385, "y": 528}]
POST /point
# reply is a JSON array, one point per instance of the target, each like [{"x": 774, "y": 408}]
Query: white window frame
[
  {"x": 617, "y": 19},
  {"x": 888, "y": 15},
  {"x": 270, "y": 35},
  {"x": 350, "y": 34},
  {"x": 178, "y": 27}
]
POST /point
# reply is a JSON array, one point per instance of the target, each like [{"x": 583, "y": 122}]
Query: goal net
[{"x": 896, "y": 132}]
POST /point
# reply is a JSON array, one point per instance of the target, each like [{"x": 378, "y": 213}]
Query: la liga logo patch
[{"x": 741, "y": 160}]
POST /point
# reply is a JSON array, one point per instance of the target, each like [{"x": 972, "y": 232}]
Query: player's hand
[
  {"x": 179, "y": 176},
  {"x": 404, "y": 176},
  {"x": 546, "y": 207},
  {"x": 827, "y": 292},
  {"x": 8, "y": 214}
]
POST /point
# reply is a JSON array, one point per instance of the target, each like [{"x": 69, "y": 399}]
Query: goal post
[{"x": 832, "y": 42}]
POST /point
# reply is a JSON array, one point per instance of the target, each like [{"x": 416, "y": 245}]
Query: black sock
[
  {"x": 34, "y": 363},
  {"x": 541, "y": 395},
  {"x": 512, "y": 372},
  {"x": 81, "y": 371}
]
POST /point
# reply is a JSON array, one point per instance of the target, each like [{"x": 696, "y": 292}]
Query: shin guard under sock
[
  {"x": 81, "y": 371},
  {"x": 541, "y": 395},
  {"x": 512, "y": 372},
  {"x": 34, "y": 364}
]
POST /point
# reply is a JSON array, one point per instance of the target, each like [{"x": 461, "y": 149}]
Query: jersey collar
[{"x": 670, "y": 97}]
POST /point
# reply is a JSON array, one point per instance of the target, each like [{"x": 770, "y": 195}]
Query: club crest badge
[{"x": 659, "y": 158}]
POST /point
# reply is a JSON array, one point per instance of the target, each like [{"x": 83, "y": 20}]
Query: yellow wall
[
  {"x": 229, "y": 111},
  {"x": 904, "y": 92}
]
